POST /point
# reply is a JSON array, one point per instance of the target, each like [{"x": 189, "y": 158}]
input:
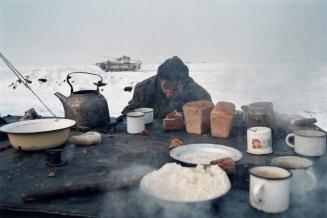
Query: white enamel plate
[{"x": 204, "y": 153}]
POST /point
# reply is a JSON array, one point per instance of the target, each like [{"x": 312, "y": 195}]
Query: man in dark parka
[{"x": 167, "y": 91}]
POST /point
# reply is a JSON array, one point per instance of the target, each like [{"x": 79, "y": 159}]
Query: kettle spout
[{"x": 61, "y": 97}]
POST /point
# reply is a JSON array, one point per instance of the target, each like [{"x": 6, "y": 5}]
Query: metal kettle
[{"x": 88, "y": 108}]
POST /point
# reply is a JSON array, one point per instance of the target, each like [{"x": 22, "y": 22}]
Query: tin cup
[
  {"x": 135, "y": 122},
  {"x": 307, "y": 142},
  {"x": 269, "y": 188},
  {"x": 259, "y": 140},
  {"x": 148, "y": 114},
  {"x": 303, "y": 179}
]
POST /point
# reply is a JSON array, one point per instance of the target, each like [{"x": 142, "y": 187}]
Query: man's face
[{"x": 171, "y": 89}]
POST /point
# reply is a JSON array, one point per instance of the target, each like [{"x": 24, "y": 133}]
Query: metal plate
[{"x": 203, "y": 153}]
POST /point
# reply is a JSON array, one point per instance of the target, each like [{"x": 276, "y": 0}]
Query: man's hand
[{"x": 227, "y": 164}]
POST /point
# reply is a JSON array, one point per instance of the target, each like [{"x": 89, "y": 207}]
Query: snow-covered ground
[{"x": 292, "y": 87}]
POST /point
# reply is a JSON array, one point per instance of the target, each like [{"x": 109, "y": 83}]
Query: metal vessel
[{"x": 87, "y": 107}]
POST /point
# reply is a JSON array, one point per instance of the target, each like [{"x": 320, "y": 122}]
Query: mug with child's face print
[{"x": 259, "y": 140}]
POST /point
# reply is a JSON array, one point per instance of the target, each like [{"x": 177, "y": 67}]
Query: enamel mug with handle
[
  {"x": 303, "y": 179},
  {"x": 307, "y": 142},
  {"x": 270, "y": 188},
  {"x": 135, "y": 122},
  {"x": 148, "y": 114}
]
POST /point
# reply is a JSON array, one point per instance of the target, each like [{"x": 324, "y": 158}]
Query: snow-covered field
[{"x": 292, "y": 87}]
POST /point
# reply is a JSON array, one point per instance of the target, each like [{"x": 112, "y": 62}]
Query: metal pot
[
  {"x": 32, "y": 135},
  {"x": 87, "y": 107},
  {"x": 259, "y": 114}
]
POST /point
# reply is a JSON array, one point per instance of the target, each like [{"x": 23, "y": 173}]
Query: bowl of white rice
[{"x": 175, "y": 183}]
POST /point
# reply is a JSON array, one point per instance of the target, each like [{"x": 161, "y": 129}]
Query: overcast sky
[{"x": 72, "y": 32}]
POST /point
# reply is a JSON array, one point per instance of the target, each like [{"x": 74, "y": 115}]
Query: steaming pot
[{"x": 87, "y": 107}]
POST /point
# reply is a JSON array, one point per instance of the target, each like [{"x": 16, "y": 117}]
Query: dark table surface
[{"x": 125, "y": 154}]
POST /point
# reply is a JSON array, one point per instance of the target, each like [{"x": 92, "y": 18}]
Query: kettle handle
[{"x": 98, "y": 84}]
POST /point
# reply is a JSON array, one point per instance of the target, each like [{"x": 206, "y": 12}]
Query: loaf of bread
[
  {"x": 221, "y": 119},
  {"x": 173, "y": 121},
  {"x": 197, "y": 116},
  {"x": 88, "y": 138}
]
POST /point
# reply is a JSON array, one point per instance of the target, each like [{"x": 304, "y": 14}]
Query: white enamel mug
[
  {"x": 270, "y": 188},
  {"x": 307, "y": 142},
  {"x": 135, "y": 122},
  {"x": 303, "y": 179},
  {"x": 148, "y": 114},
  {"x": 259, "y": 140}
]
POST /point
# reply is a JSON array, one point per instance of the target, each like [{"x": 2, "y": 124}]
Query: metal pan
[
  {"x": 203, "y": 153},
  {"x": 32, "y": 135},
  {"x": 144, "y": 189},
  {"x": 153, "y": 191}
]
